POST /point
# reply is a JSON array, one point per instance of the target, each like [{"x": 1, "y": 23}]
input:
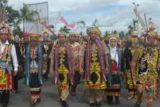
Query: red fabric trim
[{"x": 114, "y": 66}]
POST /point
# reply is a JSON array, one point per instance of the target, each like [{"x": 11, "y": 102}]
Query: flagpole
[{"x": 145, "y": 17}]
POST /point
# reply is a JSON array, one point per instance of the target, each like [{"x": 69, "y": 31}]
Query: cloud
[
  {"x": 112, "y": 13},
  {"x": 115, "y": 14}
]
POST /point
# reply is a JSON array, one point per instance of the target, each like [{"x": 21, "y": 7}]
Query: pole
[{"x": 145, "y": 17}]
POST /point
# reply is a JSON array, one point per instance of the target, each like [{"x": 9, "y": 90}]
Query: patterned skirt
[
  {"x": 5, "y": 80},
  {"x": 35, "y": 87},
  {"x": 95, "y": 82},
  {"x": 114, "y": 85},
  {"x": 150, "y": 91}
]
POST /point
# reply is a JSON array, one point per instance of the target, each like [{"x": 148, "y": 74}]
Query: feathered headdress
[{"x": 95, "y": 30}]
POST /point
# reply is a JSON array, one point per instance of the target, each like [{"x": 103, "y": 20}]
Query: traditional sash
[
  {"x": 101, "y": 56},
  {"x": 69, "y": 60}
]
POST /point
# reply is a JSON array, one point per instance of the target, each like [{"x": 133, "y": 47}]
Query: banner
[{"x": 65, "y": 22}]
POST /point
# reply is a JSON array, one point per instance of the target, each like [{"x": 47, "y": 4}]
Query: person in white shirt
[
  {"x": 114, "y": 81},
  {"x": 8, "y": 63}
]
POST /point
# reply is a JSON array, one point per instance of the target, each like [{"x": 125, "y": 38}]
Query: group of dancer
[{"x": 103, "y": 65}]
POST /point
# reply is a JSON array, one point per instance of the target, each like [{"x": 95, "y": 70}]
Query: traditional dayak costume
[
  {"x": 129, "y": 72},
  {"x": 47, "y": 46},
  {"x": 76, "y": 62},
  {"x": 33, "y": 67},
  {"x": 146, "y": 72},
  {"x": 95, "y": 67},
  {"x": 63, "y": 70},
  {"x": 114, "y": 80},
  {"x": 8, "y": 63}
]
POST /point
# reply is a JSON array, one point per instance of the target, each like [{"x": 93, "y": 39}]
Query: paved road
[{"x": 50, "y": 98}]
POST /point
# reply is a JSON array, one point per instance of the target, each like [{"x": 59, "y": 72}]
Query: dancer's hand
[{"x": 15, "y": 73}]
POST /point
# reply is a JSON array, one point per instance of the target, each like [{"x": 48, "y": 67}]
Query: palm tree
[
  {"x": 14, "y": 20},
  {"x": 130, "y": 29},
  {"x": 27, "y": 15},
  {"x": 106, "y": 33},
  {"x": 65, "y": 29}
]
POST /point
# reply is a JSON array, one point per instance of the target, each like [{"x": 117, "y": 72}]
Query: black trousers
[
  {"x": 15, "y": 83},
  {"x": 45, "y": 76},
  {"x": 110, "y": 99},
  {"x": 5, "y": 95},
  {"x": 77, "y": 79}
]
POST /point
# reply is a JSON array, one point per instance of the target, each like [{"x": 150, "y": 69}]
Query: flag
[
  {"x": 65, "y": 22},
  {"x": 72, "y": 26}
]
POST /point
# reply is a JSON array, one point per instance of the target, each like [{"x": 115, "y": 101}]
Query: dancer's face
[
  {"x": 62, "y": 38},
  {"x": 3, "y": 37},
  {"x": 93, "y": 36},
  {"x": 113, "y": 43}
]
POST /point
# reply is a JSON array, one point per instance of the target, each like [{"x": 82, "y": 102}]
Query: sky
[{"x": 111, "y": 14}]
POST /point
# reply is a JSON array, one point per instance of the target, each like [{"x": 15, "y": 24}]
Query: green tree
[
  {"x": 11, "y": 16},
  {"x": 65, "y": 29},
  {"x": 106, "y": 33},
  {"x": 115, "y": 32},
  {"x": 14, "y": 20},
  {"x": 130, "y": 29},
  {"x": 122, "y": 34},
  {"x": 27, "y": 15}
]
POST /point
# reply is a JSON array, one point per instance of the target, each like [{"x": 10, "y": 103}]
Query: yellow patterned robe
[
  {"x": 131, "y": 76},
  {"x": 63, "y": 72},
  {"x": 95, "y": 68},
  {"x": 147, "y": 80}
]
